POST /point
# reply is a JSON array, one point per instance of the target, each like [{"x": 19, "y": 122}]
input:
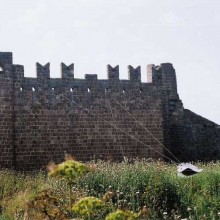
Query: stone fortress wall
[{"x": 43, "y": 118}]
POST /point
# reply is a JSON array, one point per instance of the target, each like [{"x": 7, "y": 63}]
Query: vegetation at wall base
[{"x": 129, "y": 190}]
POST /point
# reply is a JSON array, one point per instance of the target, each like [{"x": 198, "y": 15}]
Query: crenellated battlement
[
  {"x": 67, "y": 72},
  {"x": 41, "y": 117},
  {"x": 5, "y": 59},
  {"x": 47, "y": 91},
  {"x": 134, "y": 74},
  {"x": 157, "y": 75},
  {"x": 43, "y": 72},
  {"x": 91, "y": 85}
]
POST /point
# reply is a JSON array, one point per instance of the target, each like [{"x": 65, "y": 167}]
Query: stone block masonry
[{"x": 43, "y": 118}]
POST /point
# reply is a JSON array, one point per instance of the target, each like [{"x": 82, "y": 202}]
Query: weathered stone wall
[
  {"x": 43, "y": 118},
  {"x": 165, "y": 77},
  {"x": 6, "y": 111},
  {"x": 49, "y": 120},
  {"x": 194, "y": 137}
]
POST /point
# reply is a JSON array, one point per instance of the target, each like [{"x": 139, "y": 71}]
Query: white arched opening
[{"x": 1, "y": 69}]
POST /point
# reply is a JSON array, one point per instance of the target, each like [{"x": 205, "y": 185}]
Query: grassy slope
[{"x": 155, "y": 185}]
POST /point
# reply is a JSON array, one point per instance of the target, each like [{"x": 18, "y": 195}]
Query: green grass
[
  {"x": 157, "y": 186},
  {"x": 135, "y": 185}
]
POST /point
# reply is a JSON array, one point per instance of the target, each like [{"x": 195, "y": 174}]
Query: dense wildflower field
[{"x": 137, "y": 189}]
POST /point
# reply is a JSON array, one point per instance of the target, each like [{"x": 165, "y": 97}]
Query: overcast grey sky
[{"x": 94, "y": 33}]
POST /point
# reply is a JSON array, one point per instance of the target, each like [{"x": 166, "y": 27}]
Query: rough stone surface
[{"x": 43, "y": 118}]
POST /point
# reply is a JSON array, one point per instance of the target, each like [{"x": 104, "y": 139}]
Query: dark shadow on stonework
[{"x": 194, "y": 138}]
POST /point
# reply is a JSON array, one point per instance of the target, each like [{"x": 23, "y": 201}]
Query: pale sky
[{"x": 94, "y": 33}]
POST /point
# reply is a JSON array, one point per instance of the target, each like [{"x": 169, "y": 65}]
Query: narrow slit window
[
  {"x": 33, "y": 89},
  {"x": 89, "y": 90},
  {"x": 21, "y": 89},
  {"x": 123, "y": 91},
  {"x": 71, "y": 89}
]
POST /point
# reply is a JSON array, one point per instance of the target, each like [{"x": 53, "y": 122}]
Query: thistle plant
[
  {"x": 87, "y": 207},
  {"x": 70, "y": 170},
  {"x": 122, "y": 215}
]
